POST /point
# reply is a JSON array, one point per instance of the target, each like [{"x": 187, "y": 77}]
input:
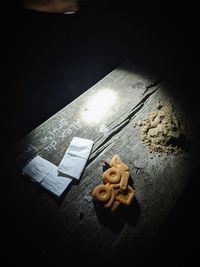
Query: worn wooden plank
[{"x": 73, "y": 221}]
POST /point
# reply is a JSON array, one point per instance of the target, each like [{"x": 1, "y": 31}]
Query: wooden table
[{"x": 63, "y": 228}]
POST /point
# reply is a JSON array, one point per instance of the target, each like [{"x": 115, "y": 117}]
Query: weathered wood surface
[{"x": 72, "y": 224}]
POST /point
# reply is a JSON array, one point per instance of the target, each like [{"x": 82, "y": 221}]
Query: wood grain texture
[{"x": 73, "y": 223}]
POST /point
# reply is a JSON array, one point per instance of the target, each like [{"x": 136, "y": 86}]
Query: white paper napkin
[
  {"x": 75, "y": 158},
  {"x": 46, "y": 174},
  {"x": 55, "y": 183},
  {"x": 37, "y": 169}
]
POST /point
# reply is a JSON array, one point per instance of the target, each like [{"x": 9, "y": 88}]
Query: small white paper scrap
[
  {"x": 46, "y": 174},
  {"x": 76, "y": 157}
]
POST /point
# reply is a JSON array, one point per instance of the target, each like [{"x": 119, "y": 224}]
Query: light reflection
[{"x": 98, "y": 106}]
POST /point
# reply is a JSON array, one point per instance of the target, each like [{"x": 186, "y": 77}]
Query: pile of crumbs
[{"x": 161, "y": 131}]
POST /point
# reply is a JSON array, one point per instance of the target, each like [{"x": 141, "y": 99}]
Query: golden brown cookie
[
  {"x": 117, "y": 163},
  {"x": 126, "y": 198},
  {"x": 115, "y": 190},
  {"x": 112, "y": 175},
  {"x": 102, "y": 193}
]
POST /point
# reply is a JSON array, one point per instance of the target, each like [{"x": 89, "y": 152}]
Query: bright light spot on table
[{"x": 98, "y": 106}]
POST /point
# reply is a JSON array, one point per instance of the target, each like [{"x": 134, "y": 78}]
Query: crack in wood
[
  {"x": 141, "y": 101},
  {"x": 120, "y": 126},
  {"x": 156, "y": 83},
  {"x": 99, "y": 151}
]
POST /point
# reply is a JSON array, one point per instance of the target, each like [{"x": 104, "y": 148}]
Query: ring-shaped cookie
[
  {"x": 102, "y": 193},
  {"x": 112, "y": 175}
]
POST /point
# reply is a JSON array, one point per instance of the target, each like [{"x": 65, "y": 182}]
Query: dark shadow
[
  {"x": 105, "y": 166},
  {"x": 117, "y": 219},
  {"x": 183, "y": 142},
  {"x": 124, "y": 214},
  {"x": 131, "y": 182}
]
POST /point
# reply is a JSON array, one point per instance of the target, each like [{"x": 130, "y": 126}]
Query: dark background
[{"x": 50, "y": 59}]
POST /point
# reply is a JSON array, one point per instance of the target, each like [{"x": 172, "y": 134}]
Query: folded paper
[
  {"x": 75, "y": 158},
  {"x": 56, "y": 179},
  {"x": 46, "y": 174}
]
